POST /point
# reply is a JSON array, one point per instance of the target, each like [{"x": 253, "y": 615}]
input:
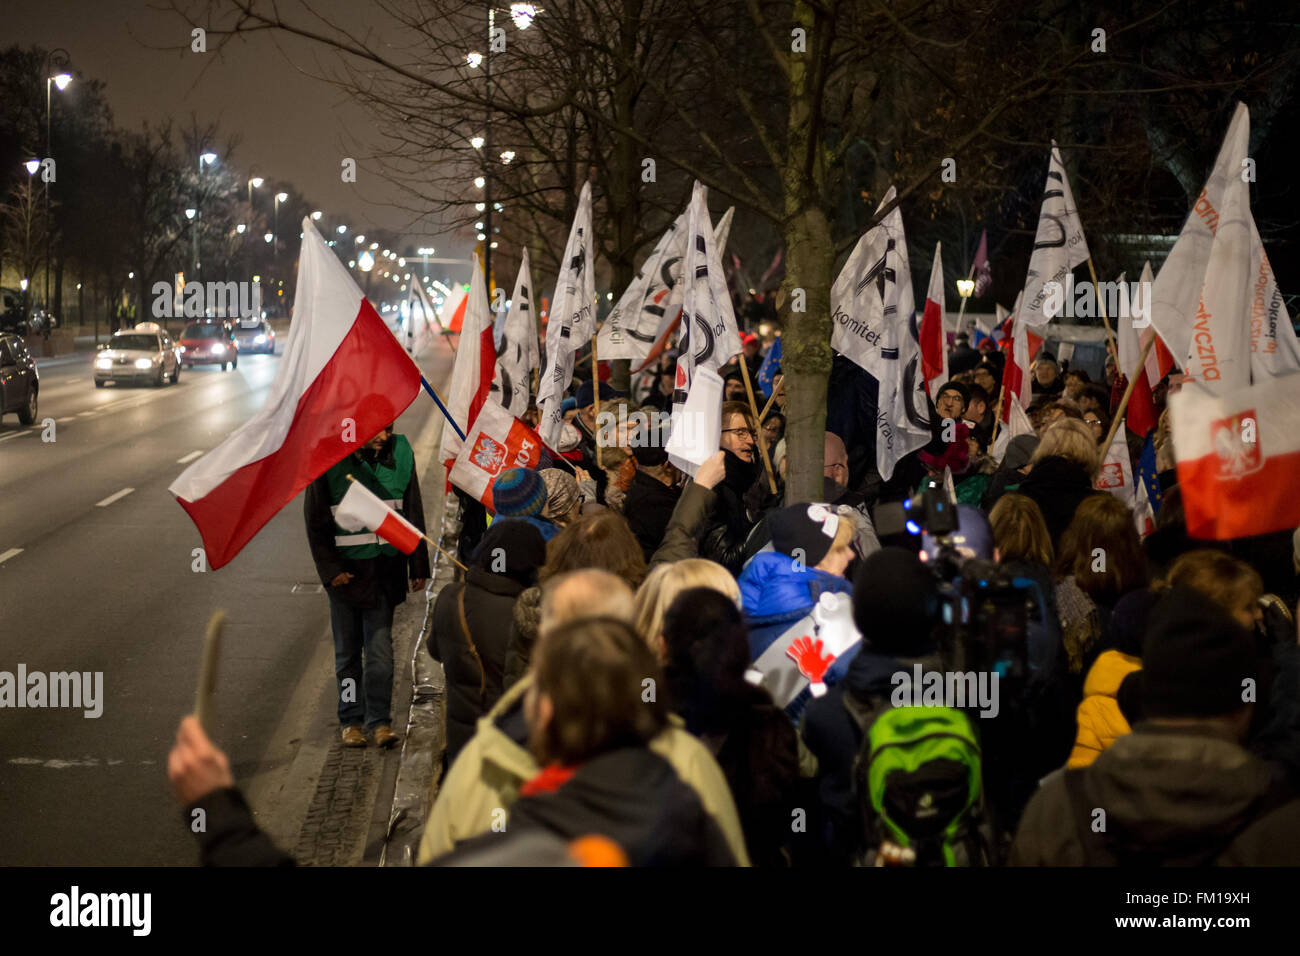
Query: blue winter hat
[
  {"x": 518, "y": 493},
  {"x": 568, "y": 404}
]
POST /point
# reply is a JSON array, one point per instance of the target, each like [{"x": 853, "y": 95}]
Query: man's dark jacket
[
  {"x": 648, "y": 507},
  {"x": 386, "y": 575}
]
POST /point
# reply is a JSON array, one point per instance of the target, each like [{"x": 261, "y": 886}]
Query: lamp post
[
  {"x": 254, "y": 182},
  {"x": 54, "y": 60},
  {"x": 206, "y": 158},
  {"x": 279, "y": 198}
]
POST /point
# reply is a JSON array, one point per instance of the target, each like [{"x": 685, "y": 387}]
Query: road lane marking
[
  {"x": 84, "y": 414},
  {"x": 189, "y": 458},
  {"x": 111, "y": 498},
  {"x": 11, "y": 553},
  {"x": 63, "y": 421}
]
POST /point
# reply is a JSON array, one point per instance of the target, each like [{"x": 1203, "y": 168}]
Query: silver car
[{"x": 138, "y": 355}]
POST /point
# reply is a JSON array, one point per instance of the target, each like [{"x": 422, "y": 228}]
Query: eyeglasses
[{"x": 744, "y": 431}]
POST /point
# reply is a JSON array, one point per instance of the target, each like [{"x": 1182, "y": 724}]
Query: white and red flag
[
  {"x": 1238, "y": 454},
  {"x": 342, "y": 378},
  {"x": 472, "y": 372},
  {"x": 1116, "y": 472},
  {"x": 1141, "y": 412},
  {"x": 497, "y": 441},
  {"x": 362, "y": 510},
  {"x": 1015, "y": 376},
  {"x": 934, "y": 344},
  {"x": 452, "y": 314}
]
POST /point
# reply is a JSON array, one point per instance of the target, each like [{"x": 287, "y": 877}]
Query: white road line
[
  {"x": 64, "y": 421},
  {"x": 11, "y": 553},
  {"x": 25, "y": 431},
  {"x": 111, "y": 498},
  {"x": 84, "y": 414},
  {"x": 189, "y": 458}
]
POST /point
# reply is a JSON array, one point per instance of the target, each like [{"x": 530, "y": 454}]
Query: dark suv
[{"x": 19, "y": 380}]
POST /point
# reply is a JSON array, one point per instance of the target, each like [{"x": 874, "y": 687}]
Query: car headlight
[
  {"x": 260, "y": 340},
  {"x": 103, "y": 363},
  {"x": 218, "y": 349},
  {"x": 143, "y": 363}
]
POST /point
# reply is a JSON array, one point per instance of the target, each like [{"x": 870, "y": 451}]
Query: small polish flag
[{"x": 362, "y": 510}]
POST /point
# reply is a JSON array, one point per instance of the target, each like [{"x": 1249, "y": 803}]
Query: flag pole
[
  {"x": 433, "y": 393},
  {"x": 1132, "y": 381},
  {"x": 1101, "y": 304},
  {"x": 208, "y": 670},
  {"x": 961, "y": 313},
  {"x": 753, "y": 405},
  {"x": 997, "y": 415},
  {"x": 595, "y": 394}
]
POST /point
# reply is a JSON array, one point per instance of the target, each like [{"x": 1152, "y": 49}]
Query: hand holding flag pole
[{"x": 753, "y": 405}]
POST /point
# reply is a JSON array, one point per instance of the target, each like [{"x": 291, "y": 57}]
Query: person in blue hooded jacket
[{"x": 812, "y": 548}]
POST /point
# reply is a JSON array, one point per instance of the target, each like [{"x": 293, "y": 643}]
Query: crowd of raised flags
[{"x": 1214, "y": 308}]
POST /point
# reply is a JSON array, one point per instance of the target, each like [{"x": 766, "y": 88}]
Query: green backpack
[{"x": 919, "y": 783}]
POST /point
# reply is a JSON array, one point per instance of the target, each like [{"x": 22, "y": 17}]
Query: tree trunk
[{"x": 806, "y": 342}]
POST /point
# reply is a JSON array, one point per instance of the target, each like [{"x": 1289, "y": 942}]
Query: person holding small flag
[{"x": 359, "y": 557}]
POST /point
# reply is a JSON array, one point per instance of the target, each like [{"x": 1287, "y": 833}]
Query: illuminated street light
[
  {"x": 208, "y": 158},
  {"x": 478, "y": 182},
  {"x": 366, "y": 261},
  {"x": 342, "y": 230},
  {"x": 474, "y": 60},
  {"x": 281, "y": 196},
  {"x": 62, "y": 80},
  {"x": 268, "y": 237},
  {"x": 316, "y": 214},
  {"x": 240, "y": 228},
  {"x": 965, "y": 287},
  {"x": 32, "y": 165},
  {"x": 523, "y": 14},
  {"x": 480, "y": 206},
  {"x": 477, "y": 142},
  {"x": 191, "y": 213},
  {"x": 508, "y": 156}
]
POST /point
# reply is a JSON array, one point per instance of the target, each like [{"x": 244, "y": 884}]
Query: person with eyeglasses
[
  {"x": 1096, "y": 424},
  {"x": 712, "y": 519}
]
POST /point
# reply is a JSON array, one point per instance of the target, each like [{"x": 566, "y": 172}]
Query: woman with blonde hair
[
  {"x": 664, "y": 582},
  {"x": 1061, "y": 472}
]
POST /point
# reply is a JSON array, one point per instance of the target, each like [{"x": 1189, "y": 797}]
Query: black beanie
[
  {"x": 896, "y": 603},
  {"x": 649, "y": 441},
  {"x": 807, "y": 529},
  {"x": 1194, "y": 658}
]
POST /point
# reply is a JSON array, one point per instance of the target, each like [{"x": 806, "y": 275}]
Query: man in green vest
[{"x": 366, "y": 579}]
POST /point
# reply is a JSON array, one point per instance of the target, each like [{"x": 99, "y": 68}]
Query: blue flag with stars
[{"x": 767, "y": 371}]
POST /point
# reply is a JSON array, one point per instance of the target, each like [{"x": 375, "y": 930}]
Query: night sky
[{"x": 291, "y": 125}]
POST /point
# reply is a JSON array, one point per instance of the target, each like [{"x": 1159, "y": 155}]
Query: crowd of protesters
[{"x": 695, "y": 671}]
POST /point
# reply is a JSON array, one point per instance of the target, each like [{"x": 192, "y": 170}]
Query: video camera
[{"x": 984, "y": 610}]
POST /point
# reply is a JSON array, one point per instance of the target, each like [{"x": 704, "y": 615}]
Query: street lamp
[
  {"x": 32, "y": 165},
  {"x": 268, "y": 237},
  {"x": 279, "y": 198},
  {"x": 477, "y": 142},
  {"x": 342, "y": 230},
  {"x": 965, "y": 287},
  {"x": 254, "y": 183},
  {"x": 55, "y": 59},
  {"x": 316, "y": 214},
  {"x": 240, "y": 228},
  {"x": 190, "y": 213},
  {"x": 523, "y": 14}
]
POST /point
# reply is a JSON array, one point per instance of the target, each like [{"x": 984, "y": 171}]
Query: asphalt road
[{"x": 96, "y": 575}]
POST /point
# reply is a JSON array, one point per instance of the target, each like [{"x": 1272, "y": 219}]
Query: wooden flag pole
[
  {"x": 1101, "y": 304},
  {"x": 997, "y": 415},
  {"x": 961, "y": 313},
  {"x": 1123, "y": 402},
  {"x": 753, "y": 406},
  {"x": 208, "y": 671}
]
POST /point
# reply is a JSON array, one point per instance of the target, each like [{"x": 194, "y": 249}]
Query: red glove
[{"x": 809, "y": 657}]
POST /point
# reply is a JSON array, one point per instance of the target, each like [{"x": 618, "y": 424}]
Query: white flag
[
  {"x": 1018, "y": 424},
  {"x": 696, "y": 429},
  {"x": 1116, "y": 474},
  {"x": 422, "y": 322},
  {"x": 1191, "y": 338},
  {"x": 469, "y": 386},
  {"x": 708, "y": 337},
  {"x": 873, "y": 318},
  {"x": 572, "y": 319},
  {"x": 638, "y": 318},
  {"x": 517, "y": 353},
  {"x": 1059, "y": 246}
]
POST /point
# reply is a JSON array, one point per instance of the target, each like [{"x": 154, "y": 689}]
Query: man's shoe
[
  {"x": 384, "y": 736},
  {"x": 353, "y": 737}
]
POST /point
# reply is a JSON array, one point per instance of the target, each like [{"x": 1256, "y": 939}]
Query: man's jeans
[{"x": 364, "y": 696}]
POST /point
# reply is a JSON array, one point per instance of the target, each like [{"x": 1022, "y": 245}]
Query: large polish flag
[
  {"x": 1238, "y": 456},
  {"x": 362, "y": 510},
  {"x": 342, "y": 378},
  {"x": 934, "y": 345}
]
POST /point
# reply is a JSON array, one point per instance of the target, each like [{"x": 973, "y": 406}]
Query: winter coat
[
  {"x": 230, "y": 836},
  {"x": 648, "y": 508},
  {"x": 682, "y": 536},
  {"x": 631, "y": 795},
  {"x": 475, "y": 672},
  {"x": 525, "y": 619},
  {"x": 759, "y": 754},
  {"x": 1099, "y": 718},
  {"x": 372, "y": 577},
  {"x": 832, "y": 729},
  {"x": 1177, "y": 796},
  {"x": 776, "y": 593},
  {"x": 492, "y": 767},
  {"x": 1058, "y": 486}
]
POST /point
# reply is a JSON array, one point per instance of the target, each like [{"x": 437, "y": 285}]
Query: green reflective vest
[{"x": 389, "y": 484}]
